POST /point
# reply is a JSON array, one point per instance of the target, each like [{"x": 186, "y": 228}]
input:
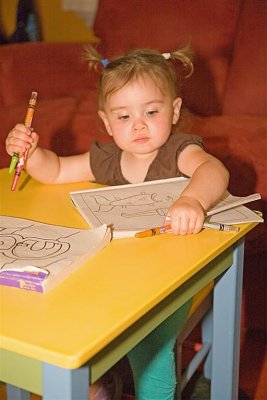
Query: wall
[{"x": 56, "y": 25}]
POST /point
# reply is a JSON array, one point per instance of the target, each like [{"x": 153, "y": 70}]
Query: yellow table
[{"x": 88, "y": 322}]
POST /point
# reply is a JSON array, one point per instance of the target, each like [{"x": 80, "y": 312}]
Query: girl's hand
[
  {"x": 21, "y": 138},
  {"x": 185, "y": 216}
]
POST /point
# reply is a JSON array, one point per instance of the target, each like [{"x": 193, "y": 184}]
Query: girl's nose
[{"x": 138, "y": 124}]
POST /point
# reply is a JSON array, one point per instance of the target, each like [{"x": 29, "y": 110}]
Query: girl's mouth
[{"x": 141, "y": 139}]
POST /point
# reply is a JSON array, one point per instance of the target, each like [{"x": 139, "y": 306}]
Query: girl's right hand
[{"x": 21, "y": 138}]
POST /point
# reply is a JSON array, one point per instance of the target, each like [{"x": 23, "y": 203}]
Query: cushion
[
  {"x": 51, "y": 69},
  {"x": 86, "y": 125},
  {"x": 247, "y": 84},
  {"x": 238, "y": 142},
  {"x": 122, "y": 25},
  {"x": 51, "y": 121}
]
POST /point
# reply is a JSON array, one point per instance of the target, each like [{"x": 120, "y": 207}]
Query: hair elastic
[
  {"x": 167, "y": 56},
  {"x": 104, "y": 62}
]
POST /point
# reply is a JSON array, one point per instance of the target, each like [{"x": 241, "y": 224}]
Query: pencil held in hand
[
  {"x": 153, "y": 231},
  {"x": 27, "y": 122},
  {"x": 19, "y": 169},
  {"x": 209, "y": 225},
  {"x": 18, "y": 160},
  {"x": 220, "y": 227},
  {"x": 13, "y": 162},
  {"x": 30, "y": 110}
]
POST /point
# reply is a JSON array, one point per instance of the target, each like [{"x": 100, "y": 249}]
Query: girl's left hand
[{"x": 185, "y": 216}]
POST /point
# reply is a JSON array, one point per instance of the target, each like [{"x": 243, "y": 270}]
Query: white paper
[{"x": 132, "y": 208}]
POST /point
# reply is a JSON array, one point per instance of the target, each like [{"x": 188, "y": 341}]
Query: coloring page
[
  {"x": 29, "y": 243},
  {"x": 128, "y": 209}
]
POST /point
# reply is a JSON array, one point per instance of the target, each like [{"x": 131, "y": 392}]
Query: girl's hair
[{"x": 139, "y": 64}]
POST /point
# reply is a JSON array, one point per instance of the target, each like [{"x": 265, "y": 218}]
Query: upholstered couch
[{"x": 225, "y": 100}]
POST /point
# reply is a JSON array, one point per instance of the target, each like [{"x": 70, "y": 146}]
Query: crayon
[
  {"x": 19, "y": 169},
  {"x": 220, "y": 227},
  {"x": 27, "y": 122},
  {"x": 153, "y": 231},
  {"x": 207, "y": 225},
  {"x": 13, "y": 162},
  {"x": 18, "y": 160}
]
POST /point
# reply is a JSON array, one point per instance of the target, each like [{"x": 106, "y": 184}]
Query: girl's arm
[
  {"x": 44, "y": 165},
  {"x": 209, "y": 180},
  {"x": 209, "y": 177}
]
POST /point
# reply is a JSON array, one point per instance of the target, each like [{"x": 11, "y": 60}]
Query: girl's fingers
[
  {"x": 184, "y": 225},
  {"x": 199, "y": 224}
]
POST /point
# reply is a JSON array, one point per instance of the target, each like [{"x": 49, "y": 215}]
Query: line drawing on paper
[
  {"x": 31, "y": 243},
  {"x": 126, "y": 211},
  {"x": 147, "y": 204},
  {"x": 136, "y": 207}
]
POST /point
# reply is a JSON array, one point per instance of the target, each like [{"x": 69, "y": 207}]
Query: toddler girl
[{"x": 140, "y": 105}]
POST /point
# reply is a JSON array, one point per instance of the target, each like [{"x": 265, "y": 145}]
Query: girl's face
[{"x": 139, "y": 116}]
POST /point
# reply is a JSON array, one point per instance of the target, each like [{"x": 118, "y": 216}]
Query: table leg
[
  {"x": 60, "y": 383},
  {"x": 15, "y": 393},
  {"x": 207, "y": 334},
  {"x": 226, "y": 329}
]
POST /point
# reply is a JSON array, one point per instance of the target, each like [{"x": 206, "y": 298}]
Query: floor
[{"x": 253, "y": 374}]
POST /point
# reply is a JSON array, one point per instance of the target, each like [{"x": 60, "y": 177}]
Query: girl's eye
[
  {"x": 124, "y": 117},
  {"x": 152, "y": 113}
]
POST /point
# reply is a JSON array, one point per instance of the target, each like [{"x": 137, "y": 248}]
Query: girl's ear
[
  {"x": 104, "y": 118},
  {"x": 177, "y": 103}
]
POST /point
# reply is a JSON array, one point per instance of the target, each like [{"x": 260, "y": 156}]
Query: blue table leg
[
  {"x": 226, "y": 329},
  {"x": 60, "y": 383},
  {"x": 15, "y": 393},
  {"x": 207, "y": 337}
]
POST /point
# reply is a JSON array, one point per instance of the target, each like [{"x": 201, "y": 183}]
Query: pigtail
[
  {"x": 93, "y": 58},
  {"x": 185, "y": 56}
]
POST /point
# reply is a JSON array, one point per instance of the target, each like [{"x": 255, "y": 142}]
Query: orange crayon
[
  {"x": 30, "y": 110},
  {"x": 19, "y": 160},
  {"x": 207, "y": 225},
  {"x": 153, "y": 232}
]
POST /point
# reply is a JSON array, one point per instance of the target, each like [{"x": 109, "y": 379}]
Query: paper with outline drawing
[
  {"x": 135, "y": 207},
  {"x": 29, "y": 247}
]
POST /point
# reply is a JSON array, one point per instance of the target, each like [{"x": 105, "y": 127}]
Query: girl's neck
[{"x": 134, "y": 167}]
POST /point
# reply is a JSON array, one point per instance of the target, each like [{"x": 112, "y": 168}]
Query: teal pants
[{"x": 153, "y": 361}]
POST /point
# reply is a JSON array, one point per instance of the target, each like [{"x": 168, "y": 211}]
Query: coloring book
[
  {"x": 132, "y": 208},
  {"x": 36, "y": 256}
]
